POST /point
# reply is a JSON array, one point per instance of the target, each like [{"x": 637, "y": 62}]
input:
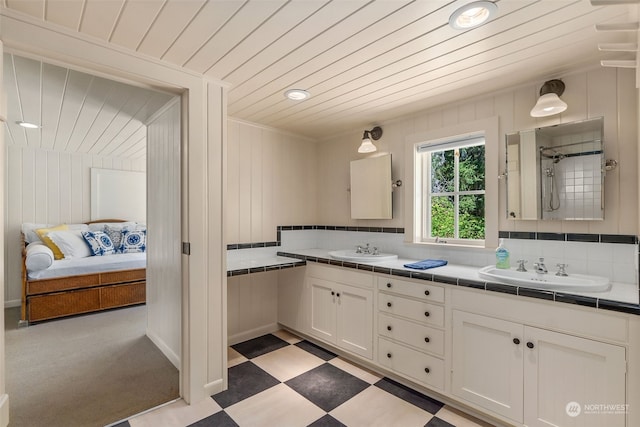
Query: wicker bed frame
[{"x": 46, "y": 299}]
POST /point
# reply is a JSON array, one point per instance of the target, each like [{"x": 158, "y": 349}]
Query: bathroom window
[{"x": 450, "y": 188}]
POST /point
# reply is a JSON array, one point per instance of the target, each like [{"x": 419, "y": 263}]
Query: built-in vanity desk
[{"x": 520, "y": 356}]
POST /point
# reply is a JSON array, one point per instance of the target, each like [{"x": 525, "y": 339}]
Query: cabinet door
[
  {"x": 566, "y": 378},
  {"x": 487, "y": 363},
  {"x": 323, "y": 309},
  {"x": 355, "y": 320},
  {"x": 293, "y": 302}
]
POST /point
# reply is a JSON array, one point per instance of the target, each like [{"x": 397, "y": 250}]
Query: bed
[{"x": 79, "y": 283}]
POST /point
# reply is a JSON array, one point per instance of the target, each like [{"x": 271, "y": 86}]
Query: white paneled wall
[
  {"x": 47, "y": 187},
  {"x": 607, "y": 92},
  {"x": 252, "y": 306},
  {"x": 164, "y": 275},
  {"x": 271, "y": 181}
]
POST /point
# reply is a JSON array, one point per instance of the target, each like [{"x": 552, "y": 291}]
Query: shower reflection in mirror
[{"x": 556, "y": 172}]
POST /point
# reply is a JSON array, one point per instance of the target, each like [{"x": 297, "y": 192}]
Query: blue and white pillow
[
  {"x": 99, "y": 242},
  {"x": 133, "y": 241}
]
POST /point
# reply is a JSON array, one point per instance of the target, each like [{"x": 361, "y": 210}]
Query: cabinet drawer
[
  {"x": 121, "y": 295},
  {"x": 422, "y": 337},
  {"x": 422, "y": 367},
  {"x": 412, "y": 309},
  {"x": 425, "y": 290},
  {"x": 340, "y": 275}
]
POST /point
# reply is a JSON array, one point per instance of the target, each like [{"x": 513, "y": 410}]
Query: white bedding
[{"x": 92, "y": 264}]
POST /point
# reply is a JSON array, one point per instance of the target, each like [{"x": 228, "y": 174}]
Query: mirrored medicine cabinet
[
  {"x": 371, "y": 188},
  {"x": 556, "y": 172}
]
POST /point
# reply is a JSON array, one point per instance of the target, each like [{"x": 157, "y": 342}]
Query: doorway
[{"x": 47, "y": 176}]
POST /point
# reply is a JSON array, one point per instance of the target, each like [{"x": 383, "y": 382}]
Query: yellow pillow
[{"x": 42, "y": 233}]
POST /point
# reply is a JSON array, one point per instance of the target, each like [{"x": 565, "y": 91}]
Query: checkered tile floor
[{"x": 280, "y": 380}]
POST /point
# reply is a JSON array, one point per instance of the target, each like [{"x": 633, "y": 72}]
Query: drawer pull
[
  {"x": 389, "y": 355},
  {"x": 516, "y": 341},
  {"x": 389, "y": 285},
  {"x": 389, "y": 328},
  {"x": 427, "y": 370},
  {"x": 338, "y": 294},
  {"x": 426, "y": 339},
  {"x": 427, "y": 292},
  {"x": 426, "y": 313},
  {"x": 333, "y": 293},
  {"x": 388, "y": 304},
  {"x": 530, "y": 344}
]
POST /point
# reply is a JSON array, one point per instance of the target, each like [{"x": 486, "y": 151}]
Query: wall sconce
[
  {"x": 549, "y": 102},
  {"x": 367, "y": 146}
]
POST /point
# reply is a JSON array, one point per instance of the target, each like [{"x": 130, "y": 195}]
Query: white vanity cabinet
[
  {"x": 532, "y": 375},
  {"x": 411, "y": 337},
  {"x": 341, "y": 308}
]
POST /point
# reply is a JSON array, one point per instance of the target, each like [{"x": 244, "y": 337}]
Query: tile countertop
[
  {"x": 240, "y": 267},
  {"x": 622, "y": 297}
]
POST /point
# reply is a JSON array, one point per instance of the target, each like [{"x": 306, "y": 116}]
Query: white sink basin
[
  {"x": 351, "y": 255},
  {"x": 573, "y": 282}
]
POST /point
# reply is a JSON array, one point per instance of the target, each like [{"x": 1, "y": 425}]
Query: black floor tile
[
  {"x": 122, "y": 424},
  {"x": 327, "y": 386},
  {"x": 323, "y": 354},
  {"x": 326, "y": 421},
  {"x": 219, "y": 419},
  {"x": 245, "y": 380},
  {"x": 408, "y": 395},
  {"x": 437, "y": 422},
  {"x": 259, "y": 346}
]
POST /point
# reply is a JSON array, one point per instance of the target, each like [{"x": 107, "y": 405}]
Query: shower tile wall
[{"x": 579, "y": 188}]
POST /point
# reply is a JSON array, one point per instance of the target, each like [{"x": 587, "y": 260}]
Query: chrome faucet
[
  {"x": 540, "y": 267},
  {"x": 521, "y": 263},
  {"x": 364, "y": 250},
  {"x": 561, "y": 270}
]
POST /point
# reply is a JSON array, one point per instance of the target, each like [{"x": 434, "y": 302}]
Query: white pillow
[
  {"x": 99, "y": 226},
  {"x": 71, "y": 243},
  {"x": 29, "y": 231},
  {"x": 39, "y": 257}
]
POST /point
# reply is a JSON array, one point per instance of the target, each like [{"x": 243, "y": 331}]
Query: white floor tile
[
  {"x": 234, "y": 358},
  {"x": 287, "y": 362},
  {"x": 460, "y": 419},
  {"x": 278, "y": 406},
  {"x": 356, "y": 371},
  {"x": 177, "y": 414},
  {"x": 376, "y": 407}
]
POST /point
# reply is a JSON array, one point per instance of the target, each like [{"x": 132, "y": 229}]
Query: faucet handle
[
  {"x": 561, "y": 270},
  {"x": 521, "y": 263}
]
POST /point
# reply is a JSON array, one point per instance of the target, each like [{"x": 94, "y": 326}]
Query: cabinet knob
[
  {"x": 333, "y": 293},
  {"x": 530, "y": 344},
  {"x": 427, "y": 293},
  {"x": 338, "y": 294},
  {"x": 426, "y": 339},
  {"x": 389, "y": 355},
  {"x": 389, "y": 285},
  {"x": 427, "y": 370},
  {"x": 388, "y": 304},
  {"x": 389, "y": 328},
  {"x": 426, "y": 313},
  {"x": 516, "y": 341}
]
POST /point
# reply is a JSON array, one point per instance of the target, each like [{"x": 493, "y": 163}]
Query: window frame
[{"x": 489, "y": 127}]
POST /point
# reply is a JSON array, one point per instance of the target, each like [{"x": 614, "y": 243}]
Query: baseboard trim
[
  {"x": 252, "y": 333},
  {"x": 4, "y": 410},
  {"x": 164, "y": 348},
  {"x": 213, "y": 387},
  {"x": 12, "y": 303}
]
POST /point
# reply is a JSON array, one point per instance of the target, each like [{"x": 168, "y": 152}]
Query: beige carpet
[{"x": 84, "y": 371}]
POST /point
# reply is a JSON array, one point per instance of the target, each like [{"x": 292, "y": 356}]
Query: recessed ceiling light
[
  {"x": 27, "y": 125},
  {"x": 297, "y": 94},
  {"x": 473, "y": 15}
]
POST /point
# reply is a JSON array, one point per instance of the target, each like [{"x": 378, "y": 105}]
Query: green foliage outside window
[{"x": 471, "y": 207}]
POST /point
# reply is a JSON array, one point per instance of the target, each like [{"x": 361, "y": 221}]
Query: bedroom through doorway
[{"x": 98, "y": 368}]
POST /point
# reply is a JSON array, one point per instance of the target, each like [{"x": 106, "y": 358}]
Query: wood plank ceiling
[{"x": 363, "y": 61}]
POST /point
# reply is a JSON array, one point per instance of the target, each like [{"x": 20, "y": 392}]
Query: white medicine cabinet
[{"x": 371, "y": 188}]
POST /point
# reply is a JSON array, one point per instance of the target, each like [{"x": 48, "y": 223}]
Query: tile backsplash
[{"x": 612, "y": 256}]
